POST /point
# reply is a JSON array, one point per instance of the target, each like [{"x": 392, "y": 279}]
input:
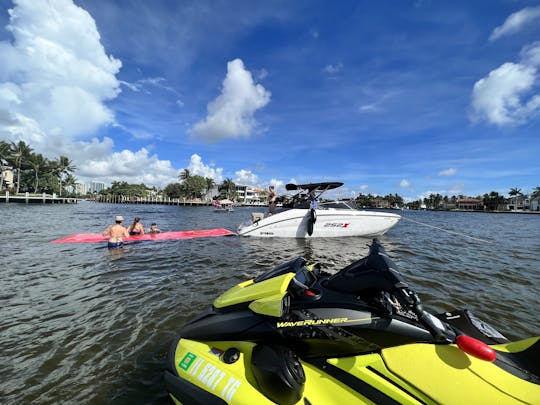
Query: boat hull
[{"x": 329, "y": 223}]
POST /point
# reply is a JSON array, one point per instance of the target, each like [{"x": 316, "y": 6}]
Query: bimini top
[{"x": 313, "y": 186}]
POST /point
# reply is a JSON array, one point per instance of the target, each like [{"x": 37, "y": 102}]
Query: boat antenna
[{"x": 446, "y": 230}]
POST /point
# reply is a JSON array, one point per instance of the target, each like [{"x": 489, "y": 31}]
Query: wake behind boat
[{"x": 304, "y": 216}]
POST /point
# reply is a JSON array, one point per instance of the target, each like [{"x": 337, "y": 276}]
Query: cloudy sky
[{"x": 407, "y": 97}]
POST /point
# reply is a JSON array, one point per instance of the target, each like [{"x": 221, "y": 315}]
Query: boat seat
[{"x": 256, "y": 216}]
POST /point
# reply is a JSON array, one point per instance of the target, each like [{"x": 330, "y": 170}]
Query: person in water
[
  {"x": 153, "y": 228},
  {"x": 116, "y": 233},
  {"x": 136, "y": 228},
  {"x": 271, "y": 200}
]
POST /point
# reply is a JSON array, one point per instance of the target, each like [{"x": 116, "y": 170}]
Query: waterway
[{"x": 82, "y": 324}]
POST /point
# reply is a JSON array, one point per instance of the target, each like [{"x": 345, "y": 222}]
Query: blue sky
[{"x": 407, "y": 97}]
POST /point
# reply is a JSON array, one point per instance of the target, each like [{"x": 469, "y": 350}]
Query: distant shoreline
[{"x": 48, "y": 199}]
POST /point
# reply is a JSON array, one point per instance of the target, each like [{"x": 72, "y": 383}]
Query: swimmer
[{"x": 116, "y": 233}]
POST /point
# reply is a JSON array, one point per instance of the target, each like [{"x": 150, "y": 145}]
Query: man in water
[{"x": 116, "y": 233}]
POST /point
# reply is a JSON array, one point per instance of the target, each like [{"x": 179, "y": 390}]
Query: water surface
[{"x": 80, "y": 323}]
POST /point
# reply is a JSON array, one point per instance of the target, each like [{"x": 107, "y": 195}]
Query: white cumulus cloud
[
  {"x": 231, "y": 114},
  {"x": 55, "y": 73},
  {"x": 246, "y": 178},
  {"x": 404, "y": 183},
  {"x": 132, "y": 167},
  {"x": 196, "y": 166},
  {"x": 516, "y": 22},
  {"x": 448, "y": 172},
  {"x": 55, "y": 81},
  {"x": 509, "y": 95}
]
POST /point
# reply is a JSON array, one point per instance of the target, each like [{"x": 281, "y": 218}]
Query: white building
[
  {"x": 7, "y": 175},
  {"x": 81, "y": 189},
  {"x": 96, "y": 186},
  {"x": 251, "y": 196}
]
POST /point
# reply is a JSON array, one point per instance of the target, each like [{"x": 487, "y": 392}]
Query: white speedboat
[{"x": 304, "y": 217}]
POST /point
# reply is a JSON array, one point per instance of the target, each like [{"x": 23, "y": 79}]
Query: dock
[{"x": 28, "y": 198}]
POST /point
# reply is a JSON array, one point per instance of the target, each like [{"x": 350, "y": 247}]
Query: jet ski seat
[{"x": 374, "y": 272}]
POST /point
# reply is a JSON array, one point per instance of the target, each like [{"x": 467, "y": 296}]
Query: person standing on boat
[
  {"x": 313, "y": 202},
  {"x": 271, "y": 200},
  {"x": 136, "y": 228},
  {"x": 116, "y": 233}
]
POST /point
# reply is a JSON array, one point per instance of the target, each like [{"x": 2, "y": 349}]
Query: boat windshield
[{"x": 343, "y": 205}]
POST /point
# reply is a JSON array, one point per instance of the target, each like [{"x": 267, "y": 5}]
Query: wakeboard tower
[{"x": 299, "y": 335}]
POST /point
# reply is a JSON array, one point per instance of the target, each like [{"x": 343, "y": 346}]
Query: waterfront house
[
  {"x": 519, "y": 203},
  {"x": 7, "y": 177},
  {"x": 534, "y": 204},
  {"x": 250, "y": 196},
  {"x": 470, "y": 204}
]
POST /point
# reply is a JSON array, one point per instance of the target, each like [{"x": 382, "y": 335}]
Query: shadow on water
[{"x": 81, "y": 323}]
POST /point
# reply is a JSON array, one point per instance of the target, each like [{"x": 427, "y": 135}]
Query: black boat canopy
[{"x": 313, "y": 186}]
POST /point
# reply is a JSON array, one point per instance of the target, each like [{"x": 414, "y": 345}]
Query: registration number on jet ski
[{"x": 210, "y": 375}]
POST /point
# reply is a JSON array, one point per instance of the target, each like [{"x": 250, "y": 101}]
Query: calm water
[{"x": 80, "y": 323}]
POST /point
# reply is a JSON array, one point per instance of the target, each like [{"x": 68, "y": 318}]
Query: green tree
[
  {"x": 70, "y": 182},
  {"x": 515, "y": 192},
  {"x": 184, "y": 174},
  {"x": 173, "y": 190},
  {"x": 64, "y": 168},
  {"x": 364, "y": 200},
  {"x": 39, "y": 165},
  {"x": 194, "y": 186},
  {"x": 123, "y": 188},
  {"x": 228, "y": 188},
  {"x": 493, "y": 201},
  {"x": 20, "y": 151},
  {"x": 210, "y": 183}
]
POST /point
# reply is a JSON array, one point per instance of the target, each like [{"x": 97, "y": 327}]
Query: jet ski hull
[{"x": 407, "y": 374}]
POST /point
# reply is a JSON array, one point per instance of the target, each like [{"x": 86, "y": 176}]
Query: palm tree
[
  {"x": 19, "y": 153},
  {"x": 515, "y": 192},
  {"x": 184, "y": 177},
  {"x": 184, "y": 174},
  {"x": 70, "y": 181},
  {"x": 229, "y": 188},
  {"x": 39, "y": 164},
  {"x": 210, "y": 183},
  {"x": 64, "y": 168}
]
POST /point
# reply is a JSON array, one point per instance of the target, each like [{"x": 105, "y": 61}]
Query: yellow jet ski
[{"x": 299, "y": 335}]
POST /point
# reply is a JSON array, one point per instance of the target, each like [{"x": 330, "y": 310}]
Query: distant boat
[
  {"x": 223, "y": 206},
  {"x": 303, "y": 216}
]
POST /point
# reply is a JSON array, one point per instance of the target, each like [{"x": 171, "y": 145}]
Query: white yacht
[{"x": 303, "y": 216}]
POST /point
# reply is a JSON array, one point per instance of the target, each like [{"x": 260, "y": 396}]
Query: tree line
[
  {"x": 492, "y": 201},
  {"x": 32, "y": 172},
  {"x": 189, "y": 186},
  {"x": 35, "y": 173}
]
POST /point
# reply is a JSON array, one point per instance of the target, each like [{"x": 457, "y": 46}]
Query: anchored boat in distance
[{"x": 304, "y": 216}]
